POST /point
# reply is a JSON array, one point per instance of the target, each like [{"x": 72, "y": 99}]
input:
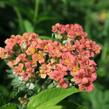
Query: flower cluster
[{"x": 67, "y": 60}]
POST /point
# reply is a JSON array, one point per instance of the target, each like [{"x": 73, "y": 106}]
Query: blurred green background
[{"x": 19, "y": 16}]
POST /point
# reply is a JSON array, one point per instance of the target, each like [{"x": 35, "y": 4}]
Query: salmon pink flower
[
  {"x": 67, "y": 58},
  {"x": 30, "y": 51},
  {"x": 2, "y": 53},
  {"x": 63, "y": 83}
]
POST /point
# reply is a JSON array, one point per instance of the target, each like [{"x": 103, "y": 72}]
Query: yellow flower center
[{"x": 75, "y": 70}]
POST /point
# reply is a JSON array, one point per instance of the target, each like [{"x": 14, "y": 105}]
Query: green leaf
[
  {"x": 71, "y": 105},
  {"x": 45, "y": 18},
  {"x": 52, "y": 107},
  {"x": 3, "y": 91},
  {"x": 46, "y": 37},
  {"x": 28, "y": 26},
  {"x": 8, "y": 106},
  {"x": 50, "y": 97}
]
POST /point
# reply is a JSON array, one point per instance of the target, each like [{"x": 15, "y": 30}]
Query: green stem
[
  {"x": 36, "y": 11},
  {"x": 19, "y": 17}
]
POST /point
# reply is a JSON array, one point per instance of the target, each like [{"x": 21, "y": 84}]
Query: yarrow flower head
[{"x": 67, "y": 60}]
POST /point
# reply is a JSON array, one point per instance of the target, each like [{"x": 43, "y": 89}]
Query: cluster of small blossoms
[
  {"x": 67, "y": 60},
  {"x": 78, "y": 53}
]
